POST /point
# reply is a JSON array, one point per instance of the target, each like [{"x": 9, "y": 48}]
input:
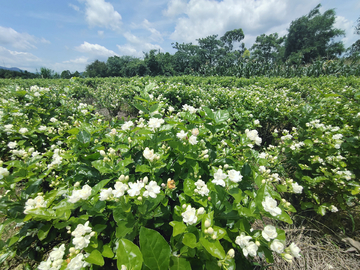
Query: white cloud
[
  {"x": 22, "y": 41},
  {"x": 136, "y": 46},
  {"x": 175, "y": 7},
  {"x": 102, "y": 14},
  {"x": 155, "y": 34},
  {"x": 80, "y": 60},
  {"x": 95, "y": 50},
  {"x": 202, "y": 18},
  {"x": 22, "y": 60},
  {"x": 74, "y": 7},
  {"x": 344, "y": 24},
  {"x": 100, "y": 33}
]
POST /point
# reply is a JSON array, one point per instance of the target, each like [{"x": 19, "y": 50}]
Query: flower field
[{"x": 200, "y": 174}]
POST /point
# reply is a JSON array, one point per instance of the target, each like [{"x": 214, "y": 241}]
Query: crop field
[{"x": 180, "y": 173}]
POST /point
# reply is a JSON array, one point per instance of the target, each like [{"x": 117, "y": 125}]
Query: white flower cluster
[
  {"x": 127, "y": 125},
  {"x": 296, "y": 146},
  {"x": 82, "y": 235},
  {"x": 56, "y": 159},
  {"x": 270, "y": 205},
  {"x": 80, "y": 194},
  {"x": 133, "y": 189},
  {"x": 23, "y": 130},
  {"x": 254, "y": 136},
  {"x": 189, "y": 108},
  {"x": 54, "y": 260},
  {"x": 248, "y": 247},
  {"x": 3, "y": 172},
  {"x": 296, "y": 188},
  {"x": 201, "y": 188},
  {"x": 34, "y": 203},
  {"x": 190, "y": 214},
  {"x": 78, "y": 262},
  {"x": 150, "y": 155},
  {"x": 345, "y": 174},
  {"x": 220, "y": 176},
  {"x": 155, "y": 122}
]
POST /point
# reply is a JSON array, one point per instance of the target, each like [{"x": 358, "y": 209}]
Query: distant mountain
[{"x": 12, "y": 69}]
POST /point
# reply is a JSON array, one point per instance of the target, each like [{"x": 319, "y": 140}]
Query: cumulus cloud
[
  {"x": 95, "y": 50},
  {"x": 22, "y": 41},
  {"x": 80, "y": 60},
  {"x": 201, "y": 18},
  {"x": 155, "y": 34},
  {"x": 346, "y": 25},
  {"x": 102, "y": 14},
  {"x": 135, "y": 46},
  {"x": 22, "y": 60}
]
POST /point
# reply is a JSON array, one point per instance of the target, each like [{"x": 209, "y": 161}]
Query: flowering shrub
[{"x": 177, "y": 185}]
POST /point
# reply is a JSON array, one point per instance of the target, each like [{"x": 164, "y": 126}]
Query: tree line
[{"x": 310, "y": 37}]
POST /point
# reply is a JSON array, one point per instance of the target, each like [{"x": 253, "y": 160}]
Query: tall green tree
[
  {"x": 268, "y": 48},
  {"x": 46, "y": 73},
  {"x": 66, "y": 74},
  {"x": 312, "y": 36},
  {"x": 96, "y": 69},
  {"x": 230, "y": 37}
]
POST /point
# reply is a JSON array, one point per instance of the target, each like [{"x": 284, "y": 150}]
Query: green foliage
[
  {"x": 311, "y": 36},
  {"x": 182, "y": 184}
]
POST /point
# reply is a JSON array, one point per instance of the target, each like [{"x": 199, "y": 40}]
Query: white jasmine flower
[
  {"x": 201, "y": 211},
  {"x": 105, "y": 194},
  {"x": 189, "y": 216},
  {"x": 256, "y": 122},
  {"x": 12, "y": 145},
  {"x": 234, "y": 176},
  {"x": 219, "y": 177},
  {"x": 337, "y": 136},
  {"x": 3, "y": 172},
  {"x": 42, "y": 128},
  {"x": 254, "y": 136},
  {"x": 195, "y": 131},
  {"x": 81, "y": 242},
  {"x": 135, "y": 188},
  {"x": 277, "y": 246},
  {"x": 23, "y": 130},
  {"x": 8, "y": 127},
  {"x": 171, "y": 109},
  {"x": 243, "y": 240},
  {"x": 149, "y": 154},
  {"x": 231, "y": 253},
  {"x": 53, "y": 119},
  {"x": 120, "y": 189},
  {"x": 250, "y": 249},
  {"x": 54, "y": 260},
  {"x": 193, "y": 140},
  {"x": 270, "y": 205},
  {"x": 333, "y": 209},
  {"x": 295, "y": 250},
  {"x": 83, "y": 194},
  {"x": 152, "y": 189},
  {"x": 81, "y": 230},
  {"x": 269, "y": 232},
  {"x": 297, "y": 188},
  {"x": 127, "y": 125},
  {"x": 181, "y": 135},
  {"x": 38, "y": 202},
  {"x": 155, "y": 122},
  {"x": 201, "y": 188},
  {"x": 77, "y": 263}
]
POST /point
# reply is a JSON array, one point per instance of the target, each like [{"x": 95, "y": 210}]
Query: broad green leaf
[
  {"x": 189, "y": 240},
  {"x": 96, "y": 258},
  {"x": 102, "y": 167},
  {"x": 179, "y": 263},
  {"x": 221, "y": 116},
  {"x": 155, "y": 249},
  {"x": 129, "y": 254},
  {"x": 142, "y": 168},
  {"x": 178, "y": 227},
  {"x": 213, "y": 247},
  {"x": 83, "y": 137},
  {"x": 43, "y": 231},
  {"x": 107, "y": 251},
  {"x": 124, "y": 227}
]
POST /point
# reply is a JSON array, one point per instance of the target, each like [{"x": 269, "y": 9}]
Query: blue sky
[{"x": 68, "y": 35}]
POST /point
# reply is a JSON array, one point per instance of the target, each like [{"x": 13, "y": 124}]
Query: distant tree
[
  {"x": 354, "y": 49},
  {"x": 66, "y": 74},
  {"x": 357, "y": 27},
  {"x": 230, "y": 37},
  {"x": 46, "y": 73},
  {"x": 312, "y": 36},
  {"x": 96, "y": 69},
  {"x": 153, "y": 62},
  {"x": 76, "y": 74},
  {"x": 268, "y": 48}
]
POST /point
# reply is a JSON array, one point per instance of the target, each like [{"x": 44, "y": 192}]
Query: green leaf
[
  {"x": 221, "y": 116},
  {"x": 95, "y": 257},
  {"x": 129, "y": 254},
  {"x": 101, "y": 166},
  {"x": 142, "y": 168},
  {"x": 178, "y": 227},
  {"x": 43, "y": 231},
  {"x": 155, "y": 249},
  {"x": 83, "y": 137},
  {"x": 179, "y": 264},
  {"x": 107, "y": 251},
  {"x": 189, "y": 240},
  {"x": 213, "y": 247}
]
